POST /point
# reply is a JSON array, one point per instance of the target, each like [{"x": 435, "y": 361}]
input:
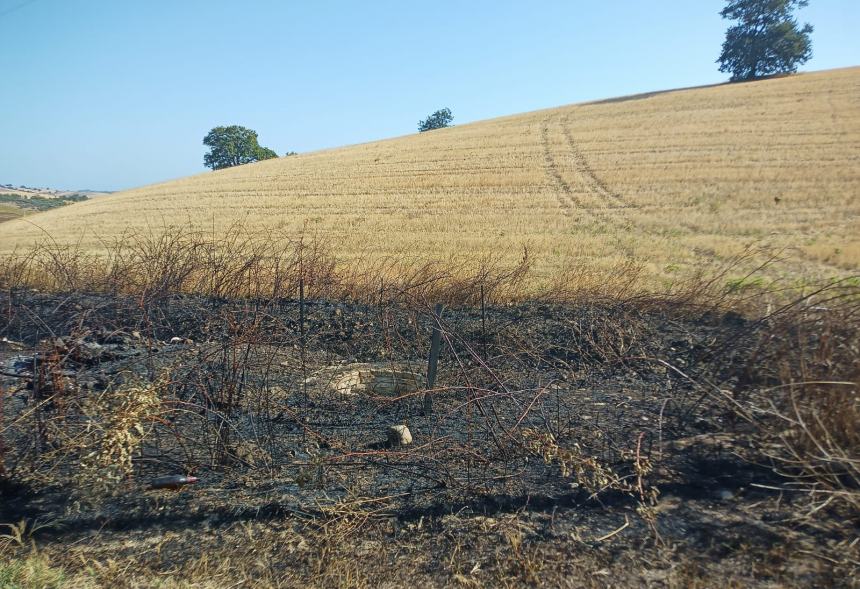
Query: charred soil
[{"x": 620, "y": 443}]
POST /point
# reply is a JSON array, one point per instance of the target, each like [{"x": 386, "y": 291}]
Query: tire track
[
  {"x": 592, "y": 182},
  {"x": 564, "y": 194}
]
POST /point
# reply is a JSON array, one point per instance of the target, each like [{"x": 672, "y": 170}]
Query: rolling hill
[{"x": 674, "y": 180}]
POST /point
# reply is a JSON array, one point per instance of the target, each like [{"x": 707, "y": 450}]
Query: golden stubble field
[{"x": 675, "y": 181}]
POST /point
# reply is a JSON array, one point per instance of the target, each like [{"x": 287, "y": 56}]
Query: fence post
[
  {"x": 484, "y": 325},
  {"x": 303, "y": 349},
  {"x": 435, "y": 344}
]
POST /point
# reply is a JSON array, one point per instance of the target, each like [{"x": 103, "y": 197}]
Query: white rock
[{"x": 399, "y": 435}]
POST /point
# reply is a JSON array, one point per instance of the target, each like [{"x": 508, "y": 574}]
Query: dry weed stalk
[{"x": 116, "y": 426}]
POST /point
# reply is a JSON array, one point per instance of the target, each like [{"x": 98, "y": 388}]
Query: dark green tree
[
  {"x": 264, "y": 153},
  {"x": 438, "y": 120},
  {"x": 233, "y": 146},
  {"x": 766, "y": 40}
]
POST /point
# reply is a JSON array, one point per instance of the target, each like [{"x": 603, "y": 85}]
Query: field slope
[{"x": 674, "y": 180}]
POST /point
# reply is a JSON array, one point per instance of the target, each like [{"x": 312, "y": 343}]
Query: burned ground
[{"x": 607, "y": 444}]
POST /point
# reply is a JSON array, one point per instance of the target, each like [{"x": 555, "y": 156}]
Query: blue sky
[{"x": 112, "y": 94}]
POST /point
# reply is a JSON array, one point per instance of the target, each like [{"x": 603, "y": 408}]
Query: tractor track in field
[
  {"x": 569, "y": 198},
  {"x": 592, "y": 182},
  {"x": 566, "y": 199}
]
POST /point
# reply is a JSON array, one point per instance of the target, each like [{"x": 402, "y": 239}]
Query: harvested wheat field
[{"x": 673, "y": 181}]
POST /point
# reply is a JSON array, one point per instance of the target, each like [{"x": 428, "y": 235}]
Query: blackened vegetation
[{"x": 615, "y": 407}]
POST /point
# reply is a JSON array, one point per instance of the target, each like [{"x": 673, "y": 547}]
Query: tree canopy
[
  {"x": 438, "y": 120},
  {"x": 766, "y": 40},
  {"x": 233, "y": 146}
]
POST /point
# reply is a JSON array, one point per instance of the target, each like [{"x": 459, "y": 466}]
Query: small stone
[
  {"x": 177, "y": 340},
  {"x": 399, "y": 435},
  {"x": 725, "y": 494}
]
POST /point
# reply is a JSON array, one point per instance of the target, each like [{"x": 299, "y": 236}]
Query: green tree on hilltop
[
  {"x": 233, "y": 146},
  {"x": 438, "y": 120},
  {"x": 767, "y": 39}
]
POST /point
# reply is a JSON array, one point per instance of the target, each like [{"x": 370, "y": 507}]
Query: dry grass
[
  {"x": 507, "y": 550},
  {"x": 671, "y": 181}
]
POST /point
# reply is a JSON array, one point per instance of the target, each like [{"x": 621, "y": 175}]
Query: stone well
[{"x": 382, "y": 378}]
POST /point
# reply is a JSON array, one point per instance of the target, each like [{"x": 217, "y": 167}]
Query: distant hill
[
  {"x": 48, "y": 192},
  {"x": 18, "y": 201},
  {"x": 674, "y": 181}
]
